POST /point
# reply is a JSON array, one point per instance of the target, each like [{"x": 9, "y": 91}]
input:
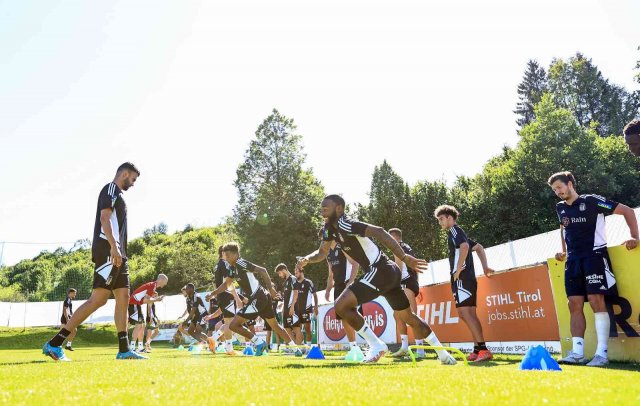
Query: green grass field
[{"x": 178, "y": 377}]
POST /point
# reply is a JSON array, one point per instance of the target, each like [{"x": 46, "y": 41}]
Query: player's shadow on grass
[
  {"x": 24, "y": 362},
  {"x": 323, "y": 365}
]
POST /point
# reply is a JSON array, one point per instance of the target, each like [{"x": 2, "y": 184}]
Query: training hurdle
[{"x": 431, "y": 347}]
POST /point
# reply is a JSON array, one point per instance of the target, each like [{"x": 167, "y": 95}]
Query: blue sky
[{"x": 179, "y": 88}]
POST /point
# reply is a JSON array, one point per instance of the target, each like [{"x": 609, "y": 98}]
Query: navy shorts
[
  {"x": 590, "y": 275},
  {"x": 465, "y": 289},
  {"x": 382, "y": 279}
]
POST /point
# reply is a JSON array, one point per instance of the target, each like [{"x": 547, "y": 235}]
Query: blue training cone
[
  {"x": 315, "y": 353},
  {"x": 248, "y": 350},
  {"x": 538, "y": 358}
]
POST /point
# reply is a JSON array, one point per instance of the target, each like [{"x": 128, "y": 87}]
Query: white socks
[
  {"x": 228, "y": 345},
  {"x": 578, "y": 346},
  {"x": 352, "y": 344},
  {"x": 420, "y": 350},
  {"x": 405, "y": 342},
  {"x": 433, "y": 340},
  {"x": 602, "y": 331},
  {"x": 370, "y": 337},
  {"x": 216, "y": 335}
]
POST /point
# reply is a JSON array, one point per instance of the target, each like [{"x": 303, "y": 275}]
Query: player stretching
[
  {"x": 463, "y": 277},
  {"x": 145, "y": 294},
  {"x": 381, "y": 278},
  {"x": 342, "y": 273},
  {"x": 307, "y": 303},
  {"x": 587, "y": 273},
  {"x": 197, "y": 312},
  {"x": 67, "y": 311},
  {"x": 290, "y": 319},
  {"x": 153, "y": 326},
  {"x": 109, "y": 254},
  {"x": 254, "y": 282}
]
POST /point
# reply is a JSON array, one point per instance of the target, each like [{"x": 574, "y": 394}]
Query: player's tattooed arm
[
  {"x": 318, "y": 255},
  {"x": 382, "y": 236},
  {"x": 263, "y": 278}
]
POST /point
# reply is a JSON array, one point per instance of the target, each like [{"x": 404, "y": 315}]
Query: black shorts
[
  {"x": 411, "y": 283},
  {"x": 227, "y": 304},
  {"x": 259, "y": 305},
  {"x": 135, "y": 314},
  {"x": 196, "y": 320},
  {"x": 108, "y": 276},
  {"x": 305, "y": 317},
  {"x": 382, "y": 279},
  {"x": 465, "y": 289},
  {"x": 591, "y": 275},
  {"x": 291, "y": 321}
]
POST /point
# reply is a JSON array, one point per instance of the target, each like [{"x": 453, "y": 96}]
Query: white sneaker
[
  {"x": 401, "y": 353},
  {"x": 447, "y": 359},
  {"x": 374, "y": 354},
  {"x": 573, "y": 359},
  {"x": 598, "y": 361}
]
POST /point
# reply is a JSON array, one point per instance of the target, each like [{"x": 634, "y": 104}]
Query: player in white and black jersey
[
  {"x": 342, "y": 273},
  {"x": 290, "y": 318},
  {"x": 464, "y": 285},
  {"x": 588, "y": 274},
  {"x": 307, "y": 303},
  {"x": 381, "y": 277},
  {"x": 67, "y": 311},
  {"x": 109, "y": 254},
  {"x": 409, "y": 283},
  {"x": 257, "y": 288},
  {"x": 196, "y": 315},
  {"x": 227, "y": 297}
]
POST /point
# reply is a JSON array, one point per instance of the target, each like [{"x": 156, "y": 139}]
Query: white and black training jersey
[
  {"x": 350, "y": 235},
  {"x": 340, "y": 266},
  {"x": 67, "y": 303},
  {"x": 305, "y": 289},
  {"x": 196, "y": 302},
  {"x": 243, "y": 272},
  {"x": 287, "y": 291},
  {"x": 406, "y": 271},
  {"x": 456, "y": 237},
  {"x": 110, "y": 197}
]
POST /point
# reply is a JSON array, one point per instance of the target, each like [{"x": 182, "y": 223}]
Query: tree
[
  {"x": 530, "y": 91},
  {"x": 277, "y": 215}
]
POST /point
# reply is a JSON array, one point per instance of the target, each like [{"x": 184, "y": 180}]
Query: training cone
[
  {"x": 538, "y": 358},
  {"x": 248, "y": 351},
  {"x": 315, "y": 353},
  {"x": 180, "y": 348},
  {"x": 355, "y": 354},
  {"x": 191, "y": 347}
]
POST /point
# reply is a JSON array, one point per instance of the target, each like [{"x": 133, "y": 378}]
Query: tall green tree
[
  {"x": 530, "y": 91},
  {"x": 278, "y": 212}
]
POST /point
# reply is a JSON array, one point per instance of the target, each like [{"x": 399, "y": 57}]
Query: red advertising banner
[{"x": 516, "y": 305}]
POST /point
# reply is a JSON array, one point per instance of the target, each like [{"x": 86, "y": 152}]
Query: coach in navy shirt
[{"x": 588, "y": 274}]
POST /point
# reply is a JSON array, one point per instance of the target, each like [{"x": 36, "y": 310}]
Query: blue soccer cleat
[
  {"x": 130, "y": 355},
  {"x": 56, "y": 353},
  {"x": 260, "y": 348}
]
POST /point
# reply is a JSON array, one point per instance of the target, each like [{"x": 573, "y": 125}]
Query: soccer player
[
  {"x": 588, "y": 275},
  {"x": 67, "y": 311},
  {"x": 153, "y": 325},
  {"x": 632, "y": 136},
  {"x": 145, "y": 294},
  {"x": 307, "y": 303},
  {"x": 381, "y": 278},
  {"x": 267, "y": 327},
  {"x": 196, "y": 314},
  {"x": 463, "y": 277},
  {"x": 342, "y": 273},
  {"x": 291, "y": 319},
  {"x": 109, "y": 254},
  {"x": 411, "y": 288},
  {"x": 252, "y": 280}
]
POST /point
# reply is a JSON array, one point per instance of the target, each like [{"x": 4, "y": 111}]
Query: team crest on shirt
[
  {"x": 565, "y": 221},
  {"x": 583, "y": 207}
]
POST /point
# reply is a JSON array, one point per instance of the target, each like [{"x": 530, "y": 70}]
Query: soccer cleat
[
  {"x": 447, "y": 359},
  {"x": 573, "y": 359},
  {"x": 299, "y": 352},
  {"x": 484, "y": 355},
  {"x": 130, "y": 355},
  {"x": 147, "y": 349},
  {"x": 260, "y": 348},
  {"x": 231, "y": 353},
  {"x": 212, "y": 344},
  {"x": 472, "y": 357},
  {"x": 374, "y": 355},
  {"x": 56, "y": 353},
  {"x": 68, "y": 348},
  {"x": 598, "y": 361},
  {"x": 401, "y": 353}
]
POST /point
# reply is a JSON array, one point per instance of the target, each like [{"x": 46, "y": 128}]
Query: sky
[{"x": 179, "y": 88}]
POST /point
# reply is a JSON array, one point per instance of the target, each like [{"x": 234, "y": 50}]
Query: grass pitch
[{"x": 179, "y": 377}]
